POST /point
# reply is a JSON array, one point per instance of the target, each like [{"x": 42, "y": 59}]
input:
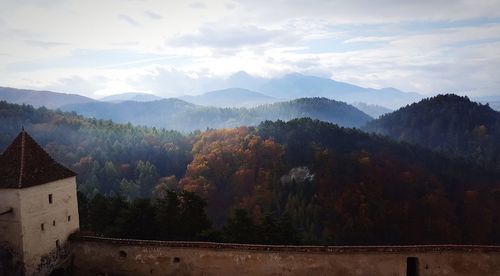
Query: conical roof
[{"x": 24, "y": 164}]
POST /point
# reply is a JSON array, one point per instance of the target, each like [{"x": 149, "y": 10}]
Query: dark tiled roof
[{"x": 24, "y": 164}]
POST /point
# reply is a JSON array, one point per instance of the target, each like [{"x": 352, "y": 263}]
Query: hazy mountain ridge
[
  {"x": 495, "y": 105},
  {"x": 230, "y": 97},
  {"x": 132, "y": 96},
  {"x": 322, "y": 109},
  {"x": 372, "y": 109},
  {"x": 179, "y": 115},
  {"x": 295, "y": 86},
  {"x": 166, "y": 112},
  {"x": 299, "y": 86},
  {"x": 317, "y": 175},
  {"x": 41, "y": 98},
  {"x": 287, "y": 87},
  {"x": 103, "y": 153},
  {"x": 244, "y": 80}
]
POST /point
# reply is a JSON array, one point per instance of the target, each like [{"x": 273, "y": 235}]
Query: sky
[{"x": 170, "y": 48}]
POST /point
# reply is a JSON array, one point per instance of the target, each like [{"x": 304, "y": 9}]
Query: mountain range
[
  {"x": 238, "y": 90},
  {"x": 183, "y": 116},
  {"x": 295, "y": 85},
  {"x": 37, "y": 98},
  {"x": 428, "y": 177},
  {"x": 299, "y": 86},
  {"x": 217, "y": 108},
  {"x": 230, "y": 97},
  {"x": 372, "y": 109},
  {"x": 131, "y": 96}
]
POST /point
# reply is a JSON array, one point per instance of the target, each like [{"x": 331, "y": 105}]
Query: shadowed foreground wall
[{"x": 94, "y": 256}]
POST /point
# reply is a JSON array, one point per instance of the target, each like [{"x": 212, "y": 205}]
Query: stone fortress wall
[{"x": 104, "y": 256}]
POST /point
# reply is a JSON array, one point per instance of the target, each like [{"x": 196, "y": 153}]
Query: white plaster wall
[
  {"x": 10, "y": 224},
  {"x": 36, "y": 209}
]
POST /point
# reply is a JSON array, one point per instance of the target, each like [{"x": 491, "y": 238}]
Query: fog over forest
[{"x": 264, "y": 122}]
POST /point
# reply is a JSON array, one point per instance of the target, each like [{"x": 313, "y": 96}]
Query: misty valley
[
  {"x": 302, "y": 171},
  {"x": 249, "y": 137}
]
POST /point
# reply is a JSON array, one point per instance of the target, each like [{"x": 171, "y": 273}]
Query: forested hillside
[
  {"x": 448, "y": 123},
  {"x": 109, "y": 158},
  {"x": 321, "y": 109},
  {"x": 182, "y": 116},
  {"x": 342, "y": 186},
  {"x": 301, "y": 182}
]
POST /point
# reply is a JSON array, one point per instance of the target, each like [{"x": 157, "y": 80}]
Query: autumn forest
[{"x": 428, "y": 173}]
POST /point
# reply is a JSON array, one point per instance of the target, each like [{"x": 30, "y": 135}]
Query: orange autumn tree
[{"x": 233, "y": 168}]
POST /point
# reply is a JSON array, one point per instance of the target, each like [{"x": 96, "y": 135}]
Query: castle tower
[{"x": 38, "y": 209}]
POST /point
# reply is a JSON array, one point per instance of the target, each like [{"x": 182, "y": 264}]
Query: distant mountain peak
[
  {"x": 297, "y": 85},
  {"x": 372, "y": 109},
  {"x": 230, "y": 97},
  {"x": 37, "y": 98},
  {"x": 295, "y": 75},
  {"x": 131, "y": 96},
  {"x": 245, "y": 80},
  {"x": 240, "y": 74}
]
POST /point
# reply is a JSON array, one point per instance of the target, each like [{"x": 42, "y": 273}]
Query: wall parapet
[{"x": 294, "y": 248}]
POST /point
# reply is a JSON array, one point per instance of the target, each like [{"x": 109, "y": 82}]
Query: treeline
[
  {"x": 342, "y": 186},
  {"x": 174, "y": 216},
  {"x": 297, "y": 182},
  {"x": 177, "y": 216},
  {"x": 182, "y": 116},
  {"x": 110, "y": 158},
  {"x": 447, "y": 123}
]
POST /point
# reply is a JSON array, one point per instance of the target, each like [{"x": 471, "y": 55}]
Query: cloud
[
  {"x": 232, "y": 37},
  {"x": 369, "y": 39},
  {"x": 369, "y": 11},
  {"x": 44, "y": 44},
  {"x": 168, "y": 81},
  {"x": 86, "y": 59},
  {"x": 230, "y": 6},
  {"x": 79, "y": 85},
  {"x": 197, "y": 5},
  {"x": 165, "y": 82},
  {"x": 126, "y": 43},
  {"x": 153, "y": 15},
  {"x": 187, "y": 46},
  {"x": 45, "y": 4},
  {"x": 449, "y": 37},
  {"x": 129, "y": 20}
]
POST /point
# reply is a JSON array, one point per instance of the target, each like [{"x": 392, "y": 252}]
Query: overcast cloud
[{"x": 101, "y": 47}]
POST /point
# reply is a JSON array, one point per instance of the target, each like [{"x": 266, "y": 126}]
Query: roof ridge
[
  {"x": 25, "y": 163},
  {"x": 21, "y": 167}
]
